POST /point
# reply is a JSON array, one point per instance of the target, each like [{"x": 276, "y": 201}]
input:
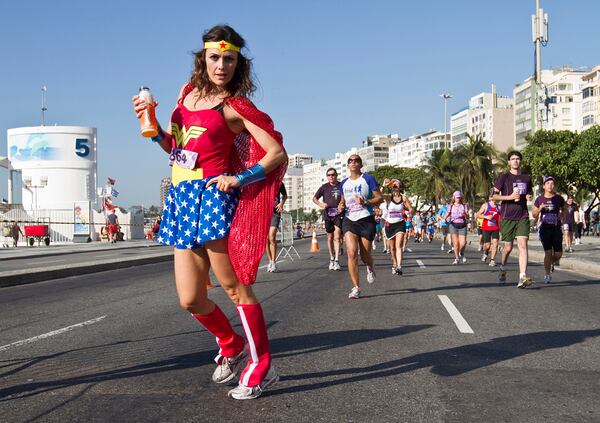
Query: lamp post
[
  {"x": 44, "y": 89},
  {"x": 446, "y": 97}
]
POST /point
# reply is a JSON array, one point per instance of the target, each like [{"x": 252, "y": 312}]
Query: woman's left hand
[{"x": 224, "y": 183}]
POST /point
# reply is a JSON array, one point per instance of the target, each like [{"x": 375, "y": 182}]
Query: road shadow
[
  {"x": 448, "y": 362},
  {"x": 280, "y": 347}
]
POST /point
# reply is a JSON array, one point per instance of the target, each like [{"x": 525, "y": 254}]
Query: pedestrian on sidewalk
[
  {"x": 444, "y": 224},
  {"x": 360, "y": 194},
  {"x": 332, "y": 217},
  {"x": 514, "y": 189},
  {"x": 490, "y": 229},
  {"x": 217, "y": 211},
  {"x": 395, "y": 225},
  {"x": 112, "y": 223},
  {"x": 16, "y": 231},
  {"x": 579, "y": 224},
  {"x": 549, "y": 210},
  {"x": 458, "y": 216},
  {"x": 569, "y": 223}
]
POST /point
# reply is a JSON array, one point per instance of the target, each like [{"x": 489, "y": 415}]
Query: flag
[
  {"x": 110, "y": 181},
  {"x": 114, "y": 193},
  {"x": 111, "y": 207}
]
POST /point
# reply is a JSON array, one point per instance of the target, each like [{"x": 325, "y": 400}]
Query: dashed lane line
[
  {"x": 53, "y": 333},
  {"x": 460, "y": 322},
  {"x": 420, "y": 263}
]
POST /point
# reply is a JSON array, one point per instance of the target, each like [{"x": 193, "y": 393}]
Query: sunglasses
[{"x": 354, "y": 161}]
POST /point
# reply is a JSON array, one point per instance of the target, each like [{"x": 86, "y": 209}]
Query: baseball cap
[
  {"x": 548, "y": 178},
  {"x": 457, "y": 194}
]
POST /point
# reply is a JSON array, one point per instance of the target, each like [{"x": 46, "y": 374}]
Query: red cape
[{"x": 250, "y": 226}]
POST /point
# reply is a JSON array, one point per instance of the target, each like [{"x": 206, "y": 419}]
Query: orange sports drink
[{"x": 149, "y": 127}]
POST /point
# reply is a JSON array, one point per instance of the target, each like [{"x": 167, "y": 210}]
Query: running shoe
[
  {"x": 242, "y": 392},
  {"x": 270, "y": 267},
  {"x": 479, "y": 248},
  {"x": 330, "y": 264},
  {"x": 524, "y": 282},
  {"x": 484, "y": 258},
  {"x": 398, "y": 270},
  {"x": 230, "y": 367},
  {"x": 393, "y": 270},
  {"x": 570, "y": 250},
  {"x": 355, "y": 293},
  {"x": 274, "y": 268},
  {"x": 336, "y": 265},
  {"x": 502, "y": 276},
  {"x": 370, "y": 275},
  {"x": 450, "y": 251},
  {"x": 492, "y": 263},
  {"x": 455, "y": 262},
  {"x": 464, "y": 259},
  {"x": 547, "y": 279},
  {"x": 442, "y": 247}
]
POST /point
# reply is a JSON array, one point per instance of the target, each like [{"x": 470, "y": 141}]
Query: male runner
[{"x": 331, "y": 194}]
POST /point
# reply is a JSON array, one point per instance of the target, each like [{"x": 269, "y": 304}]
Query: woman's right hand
[{"x": 139, "y": 105}]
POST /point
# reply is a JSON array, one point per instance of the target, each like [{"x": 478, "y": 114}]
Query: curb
[
  {"x": 91, "y": 250},
  {"x": 20, "y": 277}
]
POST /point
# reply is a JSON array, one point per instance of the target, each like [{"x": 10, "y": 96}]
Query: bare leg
[
  {"x": 523, "y": 253},
  {"x": 351, "y": 241}
]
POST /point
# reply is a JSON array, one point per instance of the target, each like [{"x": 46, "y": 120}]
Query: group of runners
[{"x": 356, "y": 212}]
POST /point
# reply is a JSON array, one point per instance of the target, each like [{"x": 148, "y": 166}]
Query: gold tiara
[{"x": 221, "y": 45}]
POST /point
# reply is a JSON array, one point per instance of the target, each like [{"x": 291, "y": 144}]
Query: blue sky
[{"x": 330, "y": 72}]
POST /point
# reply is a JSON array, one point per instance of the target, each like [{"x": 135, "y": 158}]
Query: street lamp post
[
  {"x": 446, "y": 97},
  {"x": 44, "y": 89}
]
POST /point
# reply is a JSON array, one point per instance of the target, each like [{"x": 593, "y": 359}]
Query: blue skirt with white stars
[{"x": 194, "y": 214}]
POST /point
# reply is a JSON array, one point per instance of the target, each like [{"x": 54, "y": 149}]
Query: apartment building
[
  {"x": 559, "y": 107},
  {"x": 313, "y": 176},
  {"x": 299, "y": 159},
  {"x": 489, "y": 116},
  {"x": 590, "y": 99},
  {"x": 294, "y": 186},
  {"x": 413, "y": 151}
]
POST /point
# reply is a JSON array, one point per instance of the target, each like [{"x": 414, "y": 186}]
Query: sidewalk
[
  {"x": 585, "y": 258},
  {"x": 148, "y": 252}
]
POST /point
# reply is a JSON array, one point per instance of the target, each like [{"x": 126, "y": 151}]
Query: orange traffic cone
[{"x": 314, "y": 244}]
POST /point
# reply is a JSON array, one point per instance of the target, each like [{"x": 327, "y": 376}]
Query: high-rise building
[
  {"x": 293, "y": 184},
  {"x": 413, "y": 151},
  {"x": 489, "y": 116},
  {"x": 590, "y": 97},
  {"x": 299, "y": 159},
  {"x": 375, "y": 151},
  {"x": 165, "y": 184},
  {"x": 559, "y": 106},
  {"x": 313, "y": 176}
]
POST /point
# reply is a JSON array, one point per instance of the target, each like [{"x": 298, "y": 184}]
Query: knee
[{"x": 200, "y": 307}]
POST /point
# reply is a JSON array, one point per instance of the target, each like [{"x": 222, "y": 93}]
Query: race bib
[
  {"x": 566, "y": 226},
  {"x": 395, "y": 214},
  {"x": 521, "y": 187},
  {"x": 550, "y": 219},
  {"x": 184, "y": 158},
  {"x": 332, "y": 211}
]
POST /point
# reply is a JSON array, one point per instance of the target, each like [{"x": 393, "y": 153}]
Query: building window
[
  {"x": 588, "y": 92},
  {"x": 588, "y": 120}
]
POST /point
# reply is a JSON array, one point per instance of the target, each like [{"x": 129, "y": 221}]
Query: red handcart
[{"x": 39, "y": 232}]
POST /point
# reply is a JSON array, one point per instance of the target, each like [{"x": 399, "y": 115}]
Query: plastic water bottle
[{"x": 149, "y": 127}]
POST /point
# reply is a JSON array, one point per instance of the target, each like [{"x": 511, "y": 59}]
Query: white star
[
  {"x": 205, "y": 231},
  {"x": 160, "y": 239},
  {"x": 191, "y": 195},
  {"x": 186, "y": 218},
  {"x": 215, "y": 225},
  {"x": 221, "y": 231},
  {"x": 209, "y": 202},
  {"x": 170, "y": 234},
  {"x": 222, "y": 217},
  {"x": 229, "y": 224},
  {"x": 180, "y": 241},
  {"x": 175, "y": 213},
  {"x": 187, "y": 232},
  {"x": 194, "y": 223},
  {"x": 223, "y": 203},
  {"x": 197, "y": 200},
  {"x": 215, "y": 210},
  {"x": 165, "y": 207},
  {"x": 172, "y": 222},
  {"x": 196, "y": 185},
  {"x": 199, "y": 239},
  {"x": 189, "y": 246},
  {"x": 179, "y": 227},
  {"x": 165, "y": 230},
  {"x": 182, "y": 189},
  {"x": 213, "y": 238},
  {"x": 210, "y": 188},
  {"x": 207, "y": 217},
  {"x": 183, "y": 204},
  {"x": 169, "y": 198}
]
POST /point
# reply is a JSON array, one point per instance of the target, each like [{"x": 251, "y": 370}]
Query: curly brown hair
[{"x": 241, "y": 85}]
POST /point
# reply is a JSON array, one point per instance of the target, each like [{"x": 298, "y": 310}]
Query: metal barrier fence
[{"x": 285, "y": 236}]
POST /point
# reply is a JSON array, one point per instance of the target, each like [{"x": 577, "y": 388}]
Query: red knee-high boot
[
  {"x": 253, "y": 322},
  {"x": 230, "y": 343}
]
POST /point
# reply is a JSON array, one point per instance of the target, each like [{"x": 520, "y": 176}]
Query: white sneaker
[
  {"x": 524, "y": 282},
  {"x": 455, "y": 262},
  {"x": 242, "y": 392},
  {"x": 464, "y": 259},
  {"x": 442, "y": 247},
  {"x": 547, "y": 279},
  {"x": 355, "y": 293},
  {"x": 274, "y": 267},
  {"x": 336, "y": 265},
  {"x": 269, "y": 269},
  {"x": 393, "y": 270},
  {"x": 330, "y": 264},
  {"x": 492, "y": 263},
  {"x": 370, "y": 275},
  {"x": 228, "y": 368},
  {"x": 484, "y": 258}
]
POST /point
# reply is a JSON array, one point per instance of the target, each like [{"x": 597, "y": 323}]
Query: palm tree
[
  {"x": 440, "y": 170},
  {"x": 476, "y": 170}
]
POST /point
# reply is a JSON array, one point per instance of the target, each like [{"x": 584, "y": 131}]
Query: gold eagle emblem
[{"x": 183, "y": 135}]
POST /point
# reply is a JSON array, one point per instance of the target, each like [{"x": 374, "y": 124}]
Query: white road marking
[
  {"x": 460, "y": 322},
  {"x": 49, "y": 334},
  {"x": 420, "y": 263}
]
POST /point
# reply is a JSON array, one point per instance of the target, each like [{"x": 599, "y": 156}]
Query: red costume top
[
  {"x": 204, "y": 132},
  {"x": 250, "y": 226}
]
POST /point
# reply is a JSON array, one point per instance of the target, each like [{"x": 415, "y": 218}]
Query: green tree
[
  {"x": 440, "y": 174},
  {"x": 586, "y": 159}
]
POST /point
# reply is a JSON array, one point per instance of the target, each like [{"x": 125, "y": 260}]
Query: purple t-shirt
[
  {"x": 506, "y": 184},
  {"x": 549, "y": 214},
  {"x": 332, "y": 195},
  {"x": 570, "y": 214}
]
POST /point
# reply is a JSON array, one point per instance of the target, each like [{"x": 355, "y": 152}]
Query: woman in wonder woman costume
[{"x": 228, "y": 162}]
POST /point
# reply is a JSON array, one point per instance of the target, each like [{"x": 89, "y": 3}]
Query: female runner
[
  {"x": 395, "y": 225},
  {"x": 234, "y": 163}
]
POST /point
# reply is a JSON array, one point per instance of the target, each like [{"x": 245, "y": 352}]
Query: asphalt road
[{"x": 129, "y": 354}]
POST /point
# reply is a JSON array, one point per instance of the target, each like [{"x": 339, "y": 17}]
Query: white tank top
[{"x": 395, "y": 211}]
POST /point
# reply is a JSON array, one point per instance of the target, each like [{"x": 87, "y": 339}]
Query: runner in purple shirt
[
  {"x": 514, "y": 190},
  {"x": 331, "y": 194}
]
